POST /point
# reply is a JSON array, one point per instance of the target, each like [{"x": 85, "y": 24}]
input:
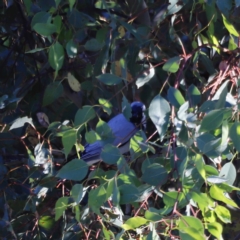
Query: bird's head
[{"x": 138, "y": 117}]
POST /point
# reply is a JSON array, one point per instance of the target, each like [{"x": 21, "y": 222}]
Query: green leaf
[
  {"x": 77, "y": 19},
  {"x": 224, "y": 6},
  {"x": 126, "y": 108},
  {"x": 45, "y": 29},
  {"x": 108, "y": 234},
  {"x": 46, "y": 5},
  {"x": 170, "y": 198},
  {"x": 109, "y": 79},
  {"x": 41, "y": 17},
  {"x": 28, "y": 4},
  {"x": 202, "y": 199},
  {"x": 46, "y": 222},
  {"x": 221, "y": 95},
  {"x": 234, "y": 134},
  {"x": 93, "y": 45},
  {"x": 76, "y": 210},
  {"x": 223, "y": 214},
  {"x": 75, "y": 170},
  {"x": 231, "y": 29},
  {"x": 134, "y": 222},
  {"x": 84, "y": 115},
  {"x": 231, "y": 44},
  {"x": 92, "y": 136},
  {"x": 123, "y": 166},
  {"x": 194, "y": 95},
  {"x": 152, "y": 216},
  {"x": 183, "y": 134},
  {"x": 72, "y": 49},
  {"x": 56, "y": 56},
  {"x": 131, "y": 29},
  {"x": 210, "y": 170},
  {"x": 172, "y": 65},
  {"x": 97, "y": 197},
  {"x": 128, "y": 193},
  {"x": 207, "y": 63},
  {"x": 57, "y": 21},
  {"x": 77, "y": 193},
  {"x": 175, "y": 97},
  {"x": 215, "y": 229},
  {"x": 52, "y": 92},
  {"x": 115, "y": 193},
  {"x": 155, "y": 174},
  {"x": 229, "y": 172},
  {"x": 159, "y": 112},
  {"x": 69, "y": 138},
  {"x": 71, "y": 4},
  {"x": 191, "y": 228},
  {"x": 219, "y": 194},
  {"x": 153, "y": 234},
  {"x": 212, "y": 120},
  {"x": 208, "y": 144},
  {"x": 107, "y": 106},
  {"x": 138, "y": 144},
  {"x": 35, "y": 50},
  {"x": 104, "y": 132},
  {"x": 199, "y": 163},
  {"x": 110, "y": 154},
  {"x": 60, "y": 206}
]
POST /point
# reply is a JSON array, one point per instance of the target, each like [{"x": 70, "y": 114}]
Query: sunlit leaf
[
  {"x": 223, "y": 214},
  {"x": 219, "y": 194},
  {"x": 175, "y": 97},
  {"x": 134, "y": 222},
  {"x": 215, "y": 229},
  {"x": 172, "y": 65},
  {"x": 234, "y": 134},
  {"x": 231, "y": 29},
  {"x": 159, "y": 111},
  {"x": 228, "y": 171},
  {"x": 191, "y": 228},
  {"x": 46, "y": 222}
]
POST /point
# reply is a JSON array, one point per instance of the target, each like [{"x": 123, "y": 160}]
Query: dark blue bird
[{"x": 123, "y": 130}]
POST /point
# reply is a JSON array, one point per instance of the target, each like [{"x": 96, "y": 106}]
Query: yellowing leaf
[
  {"x": 121, "y": 31},
  {"x": 73, "y": 83},
  {"x": 117, "y": 68}
]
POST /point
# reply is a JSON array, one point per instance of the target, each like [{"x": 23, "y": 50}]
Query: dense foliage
[{"x": 67, "y": 67}]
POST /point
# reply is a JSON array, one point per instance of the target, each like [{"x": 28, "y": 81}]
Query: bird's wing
[
  {"x": 122, "y": 129},
  {"x": 92, "y": 152}
]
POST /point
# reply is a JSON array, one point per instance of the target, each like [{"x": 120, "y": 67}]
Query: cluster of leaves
[{"x": 67, "y": 67}]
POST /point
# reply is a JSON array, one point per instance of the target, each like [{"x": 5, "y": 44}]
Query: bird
[{"x": 122, "y": 129}]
